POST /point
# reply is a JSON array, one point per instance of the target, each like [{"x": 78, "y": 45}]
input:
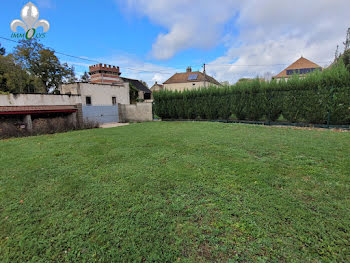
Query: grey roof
[{"x": 137, "y": 84}]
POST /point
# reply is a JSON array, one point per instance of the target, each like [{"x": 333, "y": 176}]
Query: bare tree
[{"x": 347, "y": 40}]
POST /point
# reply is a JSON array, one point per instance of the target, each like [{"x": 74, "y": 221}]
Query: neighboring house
[
  {"x": 190, "y": 80},
  {"x": 156, "y": 87},
  {"x": 144, "y": 92},
  {"x": 300, "y": 67}
]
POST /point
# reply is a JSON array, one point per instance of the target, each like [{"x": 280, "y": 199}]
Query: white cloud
[
  {"x": 270, "y": 31},
  {"x": 45, "y": 4},
  {"x": 189, "y": 23}
]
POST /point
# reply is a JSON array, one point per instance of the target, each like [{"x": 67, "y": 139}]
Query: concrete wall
[
  {"x": 38, "y": 100},
  {"x": 101, "y": 94},
  {"x": 139, "y": 112},
  {"x": 187, "y": 85}
]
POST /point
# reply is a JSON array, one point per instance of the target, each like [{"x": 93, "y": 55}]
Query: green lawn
[{"x": 181, "y": 191}]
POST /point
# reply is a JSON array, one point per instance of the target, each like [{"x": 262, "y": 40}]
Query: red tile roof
[
  {"x": 183, "y": 78},
  {"x": 299, "y": 64}
]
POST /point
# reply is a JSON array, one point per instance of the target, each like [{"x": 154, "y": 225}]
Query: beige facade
[
  {"x": 188, "y": 85},
  {"x": 99, "y": 94},
  {"x": 157, "y": 87},
  {"x": 190, "y": 80}
]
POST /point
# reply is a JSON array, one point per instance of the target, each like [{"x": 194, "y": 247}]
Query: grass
[{"x": 184, "y": 192}]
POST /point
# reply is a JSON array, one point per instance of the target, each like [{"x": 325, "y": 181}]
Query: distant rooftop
[
  {"x": 301, "y": 66},
  {"x": 190, "y": 76}
]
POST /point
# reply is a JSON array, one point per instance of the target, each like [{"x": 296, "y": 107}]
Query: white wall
[
  {"x": 187, "y": 85},
  {"x": 101, "y": 94},
  {"x": 38, "y": 100}
]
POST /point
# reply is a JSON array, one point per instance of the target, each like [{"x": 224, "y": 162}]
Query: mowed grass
[{"x": 176, "y": 192}]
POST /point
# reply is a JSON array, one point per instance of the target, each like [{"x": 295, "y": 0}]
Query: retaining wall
[{"x": 139, "y": 112}]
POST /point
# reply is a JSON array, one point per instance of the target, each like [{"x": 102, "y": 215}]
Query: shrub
[
  {"x": 10, "y": 129},
  {"x": 309, "y": 99}
]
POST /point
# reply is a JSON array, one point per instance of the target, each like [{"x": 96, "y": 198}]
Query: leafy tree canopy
[
  {"x": 42, "y": 63},
  {"x": 85, "y": 77},
  {"x": 14, "y": 79},
  {"x": 2, "y": 51}
]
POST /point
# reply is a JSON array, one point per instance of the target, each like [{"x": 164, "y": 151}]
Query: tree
[
  {"x": 346, "y": 59},
  {"x": 267, "y": 76},
  {"x": 2, "y": 51},
  {"x": 85, "y": 77},
  {"x": 14, "y": 79},
  {"x": 133, "y": 93},
  {"x": 42, "y": 63},
  {"x": 144, "y": 83},
  {"x": 347, "y": 40}
]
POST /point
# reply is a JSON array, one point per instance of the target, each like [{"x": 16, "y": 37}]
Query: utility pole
[{"x": 205, "y": 77}]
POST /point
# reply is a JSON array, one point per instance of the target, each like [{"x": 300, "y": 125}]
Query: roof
[
  {"x": 157, "y": 85},
  {"x": 36, "y": 109},
  {"x": 137, "y": 84},
  {"x": 183, "y": 78},
  {"x": 299, "y": 64}
]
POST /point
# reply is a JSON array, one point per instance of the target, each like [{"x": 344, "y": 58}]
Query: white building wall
[
  {"x": 101, "y": 94},
  {"x": 187, "y": 86}
]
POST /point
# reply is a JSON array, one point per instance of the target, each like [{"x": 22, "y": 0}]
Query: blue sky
[{"x": 153, "y": 39}]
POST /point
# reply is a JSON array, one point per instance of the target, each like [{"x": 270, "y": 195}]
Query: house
[
  {"x": 144, "y": 92},
  {"x": 300, "y": 67},
  {"x": 101, "y": 95},
  {"x": 190, "y": 80},
  {"x": 105, "y": 87},
  {"x": 157, "y": 87},
  {"x": 104, "y": 99}
]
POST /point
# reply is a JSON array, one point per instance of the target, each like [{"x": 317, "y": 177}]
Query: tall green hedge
[{"x": 312, "y": 99}]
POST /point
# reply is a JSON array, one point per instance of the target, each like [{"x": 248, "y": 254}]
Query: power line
[
  {"x": 95, "y": 61},
  {"x": 164, "y": 71}
]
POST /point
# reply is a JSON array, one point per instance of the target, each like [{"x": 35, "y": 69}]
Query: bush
[
  {"x": 310, "y": 99},
  {"x": 10, "y": 129}
]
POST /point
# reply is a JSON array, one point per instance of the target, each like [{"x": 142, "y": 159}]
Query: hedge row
[{"x": 313, "y": 99}]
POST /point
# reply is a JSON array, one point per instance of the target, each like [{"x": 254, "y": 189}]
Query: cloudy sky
[{"x": 152, "y": 39}]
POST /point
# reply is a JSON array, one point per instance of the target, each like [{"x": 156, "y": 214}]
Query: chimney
[{"x": 189, "y": 69}]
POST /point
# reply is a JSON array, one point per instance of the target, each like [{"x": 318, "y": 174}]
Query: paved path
[{"x": 113, "y": 124}]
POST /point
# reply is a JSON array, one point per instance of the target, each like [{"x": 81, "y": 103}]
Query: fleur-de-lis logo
[{"x": 30, "y": 16}]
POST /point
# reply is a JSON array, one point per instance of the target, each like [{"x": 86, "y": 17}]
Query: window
[
  {"x": 300, "y": 71},
  {"x": 114, "y": 100},
  {"x": 88, "y": 100},
  {"x": 147, "y": 96}
]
